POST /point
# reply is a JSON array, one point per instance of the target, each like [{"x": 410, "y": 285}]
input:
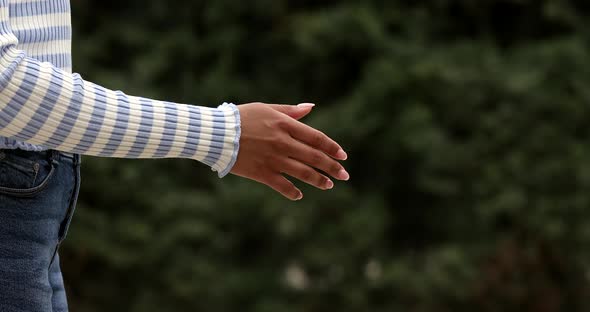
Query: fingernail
[
  {"x": 306, "y": 105},
  {"x": 343, "y": 175},
  {"x": 341, "y": 154},
  {"x": 329, "y": 184},
  {"x": 300, "y": 197}
]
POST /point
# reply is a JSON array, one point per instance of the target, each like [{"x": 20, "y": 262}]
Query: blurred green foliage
[{"x": 466, "y": 124}]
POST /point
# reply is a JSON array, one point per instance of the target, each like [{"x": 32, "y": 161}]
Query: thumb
[{"x": 294, "y": 111}]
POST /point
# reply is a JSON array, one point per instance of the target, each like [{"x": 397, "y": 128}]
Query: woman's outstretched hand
[{"x": 273, "y": 143}]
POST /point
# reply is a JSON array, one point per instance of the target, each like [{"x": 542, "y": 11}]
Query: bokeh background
[{"x": 467, "y": 124}]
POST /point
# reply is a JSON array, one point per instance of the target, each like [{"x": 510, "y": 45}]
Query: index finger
[{"x": 316, "y": 139}]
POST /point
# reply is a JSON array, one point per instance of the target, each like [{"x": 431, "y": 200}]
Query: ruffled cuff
[{"x": 228, "y": 151}]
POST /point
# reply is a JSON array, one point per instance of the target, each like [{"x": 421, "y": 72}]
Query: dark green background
[{"x": 467, "y": 128}]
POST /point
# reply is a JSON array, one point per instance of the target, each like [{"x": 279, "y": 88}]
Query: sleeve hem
[{"x": 236, "y": 141}]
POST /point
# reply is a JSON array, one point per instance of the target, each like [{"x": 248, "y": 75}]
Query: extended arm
[{"x": 43, "y": 105}]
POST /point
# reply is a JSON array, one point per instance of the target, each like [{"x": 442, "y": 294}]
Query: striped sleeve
[{"x": 44, "y": 105}]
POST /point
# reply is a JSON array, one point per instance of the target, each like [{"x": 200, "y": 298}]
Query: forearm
[{"x": 43, "y": 105}]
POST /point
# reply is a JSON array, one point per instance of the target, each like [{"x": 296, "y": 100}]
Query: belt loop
[{"x": 54, "y": 157}]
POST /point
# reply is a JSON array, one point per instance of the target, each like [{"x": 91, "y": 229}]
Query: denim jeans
[{"x": 38, "y": 193}]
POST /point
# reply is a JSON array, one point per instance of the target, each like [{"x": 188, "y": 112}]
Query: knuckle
[
  {"x": 281, "y": 144},
  {"x": 307, "y": 175},
  {"x": 289, "y": 191},
  {"x": 335, "y": 168},
  {"x": 318, "y": 139},
  {"x": 281, "y": 124},
  {"x": 283, "y": 186},
  {"x": 278, "y": 185},
  {"x": 281, "y": 182},
  {"x": 285, "y": 189},
  {"x": 316, "y": 158},
  {"x": 334, "y": 149},
  {"x": 320, "y": 181}
]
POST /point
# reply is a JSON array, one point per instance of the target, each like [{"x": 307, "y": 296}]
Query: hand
[{"x": 273, "y": 142}]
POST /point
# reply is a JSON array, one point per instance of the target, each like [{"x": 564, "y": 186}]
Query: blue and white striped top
[{"x": 44, "y": 106}]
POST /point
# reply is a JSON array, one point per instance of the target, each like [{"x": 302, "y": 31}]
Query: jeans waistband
[{"x": 51, "y": 155}]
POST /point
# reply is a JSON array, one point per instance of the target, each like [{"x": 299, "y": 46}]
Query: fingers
[
  {"x": 316, "y": 139},
  {"x": 275, "y": 144},
  {"x": 294, "y": 111},
  {"x": 317, "y": 159},
  {"x": 280, "y": 184},
  {"x": 307, "y": 174},
  {"x": 307, "y": 134}
]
